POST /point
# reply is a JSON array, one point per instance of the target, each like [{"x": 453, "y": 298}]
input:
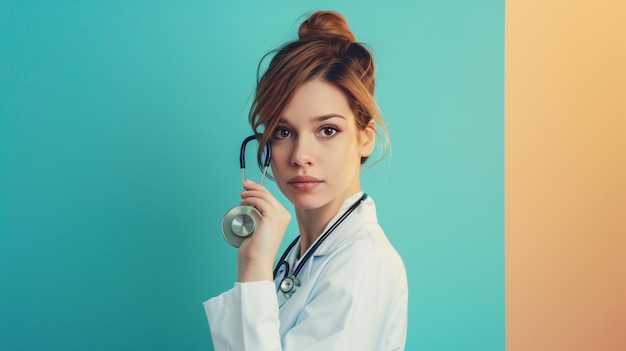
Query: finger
[
  {"x": 264, "y": 197},
  {"x": 255, "y": 193},
  {"x": 262, "y": 192},
  {"x": 250, "y": 185},
  {"x": 260, "y": 204}
]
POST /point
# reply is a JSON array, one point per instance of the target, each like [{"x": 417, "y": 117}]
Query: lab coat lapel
[{"x": 366, "y": 212}]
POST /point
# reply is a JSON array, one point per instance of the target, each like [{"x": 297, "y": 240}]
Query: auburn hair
[{"x": 326, "y": 49}]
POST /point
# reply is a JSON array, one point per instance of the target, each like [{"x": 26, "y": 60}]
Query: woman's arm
[
  {"x": 245, "y": 318},
  {"x": 257, "y": 253},
  {"x": 359, "y": 302}
]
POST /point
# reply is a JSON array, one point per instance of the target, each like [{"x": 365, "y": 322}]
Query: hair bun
[{"x": 326, "y": 24}]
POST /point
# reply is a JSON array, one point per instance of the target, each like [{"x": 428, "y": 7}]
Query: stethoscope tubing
[
  {"x": 311, "y": 251},
  {"x": 241, "y": 221},
  {"x": 235, "y": 238},
  {"x": 242, "y": 156}
]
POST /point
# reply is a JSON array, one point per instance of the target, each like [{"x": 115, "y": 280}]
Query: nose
[{"x": 302, "y": 153}]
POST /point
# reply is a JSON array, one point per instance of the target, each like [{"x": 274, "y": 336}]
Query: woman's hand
[{"x": 257, "y": 252}]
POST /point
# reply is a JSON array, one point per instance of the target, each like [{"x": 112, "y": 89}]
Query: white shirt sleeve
[
  {"x": 245, "y": 318},
  {"x": 354, "y": 306}
]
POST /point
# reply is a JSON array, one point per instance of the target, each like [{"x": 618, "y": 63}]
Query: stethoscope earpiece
[{"x": 241, "y": 221}]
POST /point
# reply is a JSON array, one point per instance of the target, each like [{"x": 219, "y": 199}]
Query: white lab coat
[{"x": 353, "y": 297}]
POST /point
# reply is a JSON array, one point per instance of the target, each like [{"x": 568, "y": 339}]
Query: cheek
[
  {"x": 350, "y": 150},
  {"x": 277, "y": 163},
  {"x": 342, "y": 162}
]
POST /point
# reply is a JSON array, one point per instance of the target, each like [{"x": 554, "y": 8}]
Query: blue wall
[{"x": 120, "y": 123}]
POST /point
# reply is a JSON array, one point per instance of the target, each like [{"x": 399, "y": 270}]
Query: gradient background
[{"x": 120, "y": 124}]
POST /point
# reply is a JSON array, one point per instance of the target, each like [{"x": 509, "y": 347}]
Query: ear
[{"x": 368, "y": 139}]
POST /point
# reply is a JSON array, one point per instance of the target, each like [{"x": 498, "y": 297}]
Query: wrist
[{"x": 254, "y": 270}]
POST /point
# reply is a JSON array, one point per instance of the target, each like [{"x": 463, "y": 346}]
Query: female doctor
[{"x": 314, "y": 105}]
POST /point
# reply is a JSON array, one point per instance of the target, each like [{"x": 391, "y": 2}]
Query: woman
[{"x": 315, "y": 105}]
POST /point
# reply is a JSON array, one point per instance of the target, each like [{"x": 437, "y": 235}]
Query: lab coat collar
[{"x": 364, "y": 213}]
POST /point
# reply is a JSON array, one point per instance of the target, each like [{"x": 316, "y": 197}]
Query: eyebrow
[{"x": 321, "y": 118}]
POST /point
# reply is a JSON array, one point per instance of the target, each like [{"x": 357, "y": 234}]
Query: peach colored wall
[{"x": 565, "y": 188}]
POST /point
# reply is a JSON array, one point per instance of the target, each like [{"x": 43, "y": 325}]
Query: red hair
[{"x": 326, "y": 50}]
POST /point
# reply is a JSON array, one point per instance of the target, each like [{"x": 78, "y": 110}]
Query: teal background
[{"x": 120, "y": 123}]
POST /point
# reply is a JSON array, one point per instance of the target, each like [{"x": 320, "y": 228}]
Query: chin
[
  {"x": 308, "y": 201},
  {"x": 304, "y": 204}
]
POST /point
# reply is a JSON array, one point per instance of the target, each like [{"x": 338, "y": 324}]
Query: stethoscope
[
  {"x": 241, "y": 221},
  {"x": 290, "y": 283}
]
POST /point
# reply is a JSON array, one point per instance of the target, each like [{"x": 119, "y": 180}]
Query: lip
[{"x": 304, "y": 183}]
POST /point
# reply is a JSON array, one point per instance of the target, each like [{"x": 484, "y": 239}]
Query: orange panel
[{"x": 565, "y": 169}]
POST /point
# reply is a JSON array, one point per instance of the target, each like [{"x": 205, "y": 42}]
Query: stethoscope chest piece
[
  {"x": 289, "y": 285},
  {"x": 239, "y": 223}
]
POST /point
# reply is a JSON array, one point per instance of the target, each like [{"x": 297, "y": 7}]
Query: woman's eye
[
  {"x": 328, "y": 131},
  {"x": 282, "y": 133}
]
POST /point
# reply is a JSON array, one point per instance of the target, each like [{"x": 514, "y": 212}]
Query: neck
[{"x": 311, "y": 223}]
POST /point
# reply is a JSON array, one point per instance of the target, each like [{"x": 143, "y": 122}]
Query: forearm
[{"x": 251, "y": 270}]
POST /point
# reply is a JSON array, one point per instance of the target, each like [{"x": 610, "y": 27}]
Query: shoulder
[
  {"x": 367, "y": 252},
  {"x": 365, "y": 239},
  {"x": 370, "y": 247}
]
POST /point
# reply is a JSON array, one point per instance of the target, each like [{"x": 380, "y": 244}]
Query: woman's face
[{"x": 317, "y": 147}]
